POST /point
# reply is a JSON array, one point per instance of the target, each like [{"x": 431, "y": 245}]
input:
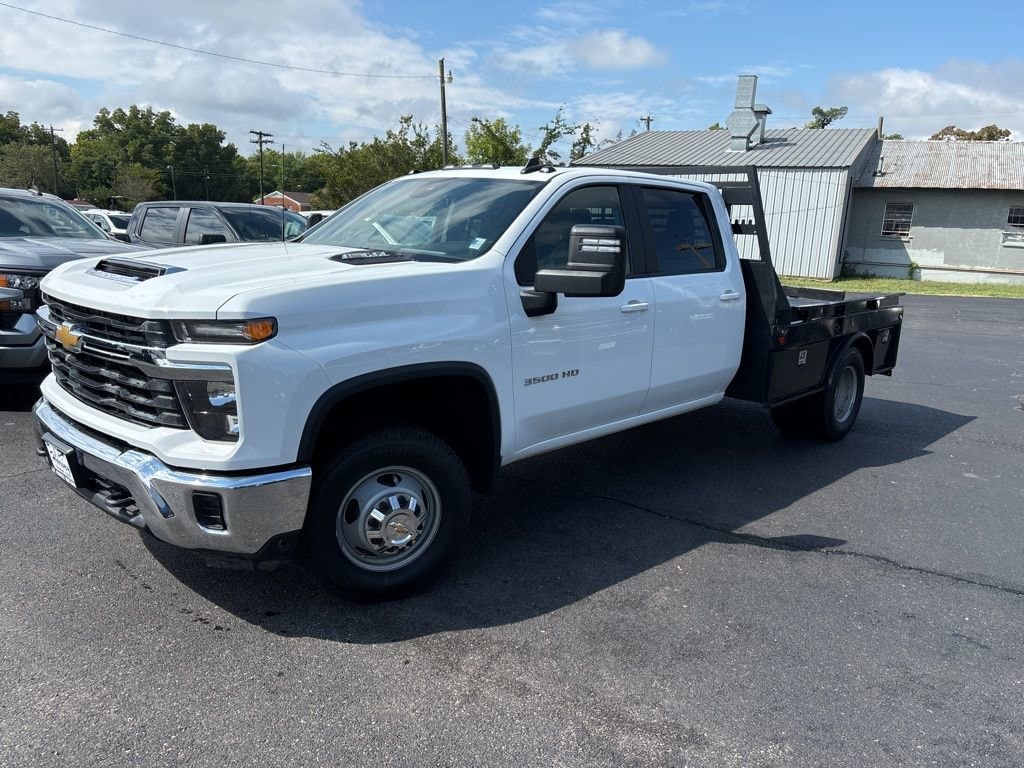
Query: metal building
[
  {"x": 940, "y": 210},
  {"x": 806, "y": 177}
]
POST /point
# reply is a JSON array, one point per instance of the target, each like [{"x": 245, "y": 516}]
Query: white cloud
[
  {"x": 917, "y": 103},
  {"x": 558, "y": 53},
  {"x": 614, "y": 49},
  {"x": 39, "y": 100}
]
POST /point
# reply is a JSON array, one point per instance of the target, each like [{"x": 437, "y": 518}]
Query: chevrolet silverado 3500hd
[{"x": 346, "y": 392}]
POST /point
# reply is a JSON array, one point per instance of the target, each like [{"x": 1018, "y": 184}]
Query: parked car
[
  {"x": 167, "y": 224},
  {"x": 37, "y": 233},
  {"x": 315, "y": 217},
  {"x": 114, "y": 223}
]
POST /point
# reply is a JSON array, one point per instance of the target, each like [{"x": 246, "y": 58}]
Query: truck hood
[
  {"x": 197, "y": 281},
  {"x": 45, "y": 253}
]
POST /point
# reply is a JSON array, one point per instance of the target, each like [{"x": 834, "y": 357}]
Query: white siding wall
[{"x": 804, "y": 208}]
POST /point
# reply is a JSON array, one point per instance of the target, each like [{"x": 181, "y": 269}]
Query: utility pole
[
  {"x": 647, "y": 120},
  {"x": 174, "y": 187},
  {"x": 206, "y": 181},
  {"x": 282, "y": 175},
  {"x": 53, "y": 152},
  {"x": 444, "y": 112},
  {"x": 262, "y": 137}
]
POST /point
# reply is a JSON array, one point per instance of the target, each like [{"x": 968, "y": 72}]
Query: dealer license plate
[{"x": 60, "y": 463}]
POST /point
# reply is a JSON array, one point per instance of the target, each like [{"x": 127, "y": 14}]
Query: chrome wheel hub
[
  {"x": 845, "y": 394},
  {"x": 388, "y": 518}
]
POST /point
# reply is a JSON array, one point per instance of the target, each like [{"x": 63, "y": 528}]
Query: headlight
[
  {"x": 211, "y": 408},
  {"x": 28, "y": 284},
  {"x": 226, "y": 331}
]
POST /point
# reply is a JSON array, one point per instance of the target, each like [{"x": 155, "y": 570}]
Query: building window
[
  {"x": 1016, "y": 217},
  {"x": 896, "y": 222}
]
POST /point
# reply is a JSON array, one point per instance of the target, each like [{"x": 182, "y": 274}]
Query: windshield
[
  {"x": 259, "y": 223},
  {"x": 120, "y": 221},
  {"x": 41, "y": 217},
  {"x": 450, "y": 218}
]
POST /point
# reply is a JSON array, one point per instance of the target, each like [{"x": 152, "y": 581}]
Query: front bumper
[
  {"x": 21, "y": 344},
  {"x": 262, "y": 512}
]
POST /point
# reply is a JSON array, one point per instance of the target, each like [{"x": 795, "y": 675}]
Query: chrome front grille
[
  {"x": 111, "y": 366},
  {"x": 111, "y": 326}
]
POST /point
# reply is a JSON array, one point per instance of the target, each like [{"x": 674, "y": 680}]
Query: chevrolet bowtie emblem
[{"x": 69, "y": 337}]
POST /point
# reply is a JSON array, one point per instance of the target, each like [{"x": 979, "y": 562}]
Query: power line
[{"x": 211, "y": 53}]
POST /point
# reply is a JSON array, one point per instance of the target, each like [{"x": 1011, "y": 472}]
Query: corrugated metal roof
[
  {"x": 782, "y": 148},
  {"x": 946, "y": 165}
]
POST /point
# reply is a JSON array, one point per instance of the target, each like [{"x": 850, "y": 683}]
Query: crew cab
[{"x": 343, "y": 394}]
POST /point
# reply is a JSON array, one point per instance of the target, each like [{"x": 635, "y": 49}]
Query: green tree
[
  {"x": 358, "y": 168},
  {"x": 134, "y": 183},
  {"x": 892, "y": 136},
  {"x": 987, "y": 133},
  {"x": 824, "y": 117},
  {"x": 24, "y": 165},
  {"x": 553, "y": 132},
  {"x": 495, "y": 141},
  {"x": 716, "y": 126}
]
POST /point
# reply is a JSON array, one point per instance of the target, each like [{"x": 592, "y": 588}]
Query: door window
[
  {"x": 548, "y": 248},
  {"x": 159, "y": 225},
  {"x": 682, "y": 235},
  {"x": 204, "y": 222}
]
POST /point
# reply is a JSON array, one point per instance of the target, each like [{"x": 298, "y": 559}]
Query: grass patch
[{"x": 881, "y": 285}]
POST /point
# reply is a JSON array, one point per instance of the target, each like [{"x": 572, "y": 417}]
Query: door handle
[
  {"x": 729, "y": 296},
  {"x": 635, "y": 306}
]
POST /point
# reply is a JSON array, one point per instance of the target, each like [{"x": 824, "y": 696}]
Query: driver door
[{"x": 587, "y": 364}]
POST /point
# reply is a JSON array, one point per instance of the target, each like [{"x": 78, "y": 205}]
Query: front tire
[{"x": 388, "y": 514}]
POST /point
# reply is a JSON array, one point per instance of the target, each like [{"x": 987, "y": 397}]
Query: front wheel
[{"x": 388, "y": 514}]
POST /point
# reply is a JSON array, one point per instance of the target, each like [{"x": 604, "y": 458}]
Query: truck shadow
[{"x": 567, "y": 525}]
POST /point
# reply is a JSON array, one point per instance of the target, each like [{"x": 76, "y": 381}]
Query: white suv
[{"x": 114, "y": 223}]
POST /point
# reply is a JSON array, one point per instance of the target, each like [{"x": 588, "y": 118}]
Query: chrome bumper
[{"x": 256, "y": 508}]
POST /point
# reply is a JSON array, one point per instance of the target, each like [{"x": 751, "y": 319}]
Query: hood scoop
[
  {"x": 130, "y": 271},
  {"x": 369, "y": 257}
]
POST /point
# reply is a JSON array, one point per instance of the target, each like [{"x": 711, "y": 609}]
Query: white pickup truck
[{"x": 343, "y": 394}]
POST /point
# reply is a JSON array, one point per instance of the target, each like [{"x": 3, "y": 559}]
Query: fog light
[{"x": 211, "y": 408}]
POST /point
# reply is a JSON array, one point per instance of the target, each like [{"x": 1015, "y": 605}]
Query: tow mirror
[{"x": 596, "y": 267}]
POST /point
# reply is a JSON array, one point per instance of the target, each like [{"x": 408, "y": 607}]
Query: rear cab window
[{"x": 159, "y": 224}]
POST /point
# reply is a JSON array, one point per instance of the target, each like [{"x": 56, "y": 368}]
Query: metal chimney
[
  {"x": 761, "y": 112},
  {"x": 743, "y": 122}
]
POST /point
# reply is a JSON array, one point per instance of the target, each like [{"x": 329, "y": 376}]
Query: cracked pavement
[{"x": 699, "y": 592}]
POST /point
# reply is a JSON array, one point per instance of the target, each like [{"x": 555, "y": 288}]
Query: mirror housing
[
  {"x": 597, "y": 264},
  {"x": 208, "y": 238}
]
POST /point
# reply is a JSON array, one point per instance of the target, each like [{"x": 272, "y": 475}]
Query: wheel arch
[
  {"x": 864, "y": 346},
  {"x": 455, "y": 400}
]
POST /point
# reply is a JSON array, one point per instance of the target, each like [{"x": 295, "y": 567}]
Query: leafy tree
[
  {"x": 495, "y": 141},
  {"x": 988, "y": 133},
  {"x": 892, "y": 136},
  {"x": 23, "y": 165},
  {"x": 716, "y": 126},
  {"x": 552, "y": 132},
  {"x": 360, "y": 167},
  {"x": 823, "y": 118},
  {"x": 10, "y": 128},
  {"x": 583, "y": 142},
  {"x": 135, "y": 184}
]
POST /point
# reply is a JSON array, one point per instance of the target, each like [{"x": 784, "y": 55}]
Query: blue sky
[{"x": 921, "y": 65}]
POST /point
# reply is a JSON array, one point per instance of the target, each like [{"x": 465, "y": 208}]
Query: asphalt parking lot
[{"x": 700, "y": 592}]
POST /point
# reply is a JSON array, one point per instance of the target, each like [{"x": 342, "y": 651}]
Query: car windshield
[
  {"x": 454, "y": 219},
  {"x": 40, "y": 217},
  {"x": 120, "y": 221},
  {"x": 259, "y": 223}
]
